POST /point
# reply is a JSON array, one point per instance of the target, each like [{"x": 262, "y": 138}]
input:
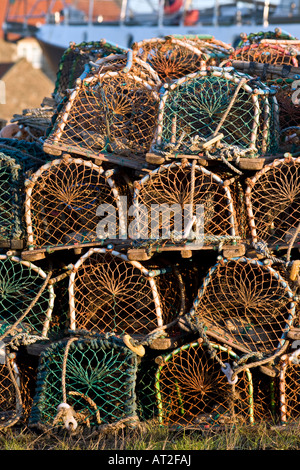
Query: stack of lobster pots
[{"x": 150, "y": 239}]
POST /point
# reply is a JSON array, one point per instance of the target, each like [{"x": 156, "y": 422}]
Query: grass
[{"x": 153, "y": 438}]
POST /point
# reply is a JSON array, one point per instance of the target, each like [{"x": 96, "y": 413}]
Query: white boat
[{"x": 144, "y": 19}]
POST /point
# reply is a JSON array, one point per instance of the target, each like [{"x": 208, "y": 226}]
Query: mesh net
[
  {"x": 27, "y": 367},
  {"x": 265, "y": 53},
  {"x": 11, "y": 203},
  {"x": 191, "y": 191},
  {"x": 248, "y": 304},
  {"x": 272, "y": 198},
  {"x": 277, "y": 66},
  {"x": 289, "y": 110},
  {"x": 62, "y": 199},
  {"x": 193, "y": 392},
  {"x": 16, "y": 158},
  {"x": 198, "y": 107},
  {"x": 59, "y": 323},
  {"x": 289, "y": 139},
  {"x": 145, "y": 388},
  {"x": 125, "y": 63},
  {"x": 289, "y": 390},
  {"x": 114, "y": 112},
  {"x": 172, "y": 57},
  {"x": 20, "y": 283},
  {"x": 96, "y": 376},
  {"x": 30, "y": 155},
  {"x": 9, "y": 399},
  {"x": 108, "y": 293},
  {"x": 265, "y": 397},
  {"x": 75, "y": 58},
  {"x": 214, "y": 49},
  {"x": 255, "y": 38},
  {"x": 34, "y": 123}
]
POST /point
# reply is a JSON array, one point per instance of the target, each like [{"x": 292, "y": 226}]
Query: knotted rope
[{"x": 65, "y": 412}]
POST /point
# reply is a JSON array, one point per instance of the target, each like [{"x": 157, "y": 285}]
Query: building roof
[
  {"x": 109, "y": 9},
  {"x": 26, "y": 88},
  {"x": 4, "y": 68},
  {"x": 8, "y": 51}
]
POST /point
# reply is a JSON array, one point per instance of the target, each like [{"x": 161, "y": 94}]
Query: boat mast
[
  {"x": 161, "y": 5},
  {"x": 91, "y": 11},
  {"x": 123, "y": 13},
  {"x": 216, "y": 13},
  {"x": 266, "y": 13}
]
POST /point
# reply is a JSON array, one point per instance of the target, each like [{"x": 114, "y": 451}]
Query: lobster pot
[
  {"x": 187, "y": 191},
  {"x": 287, "y": 97},
  {"x": 289, "y": 139},
  {"x": 126, "y": 62},
  {"x": 216, "y": 51},
  {"x": 112, "y": 113},
  {"x": 94, "y": 375},
  {"x": 62, "y": 204},
  {"x": 30, "y": 155},
  {"x": 289, "y": 387},
  {"x": 15, "y": 160},
  {"x": 247, "y": 304},
  {"x": 76, "y": 59},
  {"x": 272, "y": 198},
  {"x": 10, "y": 398},
  {"x": 266, "y": 53},
  {"x": 193, "y": 392},
  {"x": 171, "y": 57},
  {"x": 109, "y": 293},
  {"x": 192, "y": 113},
  {"x": 25, "y": 296},
  {"x": 145, "y": 388},
  {"x": 267, "y": 37},
  {"x": 11, "y": 226}
]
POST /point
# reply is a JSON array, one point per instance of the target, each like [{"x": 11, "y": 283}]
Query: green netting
[
  {"x": 20, "y": 284},
  {"x": 257, "y": 37},
  {"x": 145, "y": 388},
  {"x": 74, "y": 59},
  {"x": 16, "y": 158},
  {"x": 59, "y": 323},
  {"x": 28, "y": 154},
  {"x": 215, "y": 101},
  {"x": 98, "y": 381},
  {"x": 11, "y": 199}
]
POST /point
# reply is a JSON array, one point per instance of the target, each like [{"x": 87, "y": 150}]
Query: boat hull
[{"x": 61, "y": 35}]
